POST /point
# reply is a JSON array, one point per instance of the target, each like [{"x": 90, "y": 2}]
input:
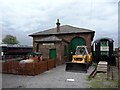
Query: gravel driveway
[{"x": 54, "y": 78}]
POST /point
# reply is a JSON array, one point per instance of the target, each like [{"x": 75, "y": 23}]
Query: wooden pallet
[{"x": 102, "y": 66}]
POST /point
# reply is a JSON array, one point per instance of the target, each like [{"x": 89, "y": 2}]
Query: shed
[{"x": 60, "y": 42}]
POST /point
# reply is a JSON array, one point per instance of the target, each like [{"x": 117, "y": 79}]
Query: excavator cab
[
  {"x": 80, "y": 61},
  {"x": 81, "y": 50}
]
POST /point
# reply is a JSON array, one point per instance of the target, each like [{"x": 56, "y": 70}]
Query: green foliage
[
  {"x": 94, "y": 64},
  {"x": 9, "y": 39},
  {"x": 88, "y": 78},
  {"x": 119, "y": 83}
]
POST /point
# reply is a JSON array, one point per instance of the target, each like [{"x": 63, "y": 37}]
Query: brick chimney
[{"x": 58, "y": 25}]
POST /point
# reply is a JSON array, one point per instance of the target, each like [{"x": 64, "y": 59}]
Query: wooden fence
[{"x": 34, "y": 68}]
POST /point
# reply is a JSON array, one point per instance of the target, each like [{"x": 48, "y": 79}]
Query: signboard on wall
[
  {"x": 48, "y": 44},
  {"x": 104, "y": 46}
]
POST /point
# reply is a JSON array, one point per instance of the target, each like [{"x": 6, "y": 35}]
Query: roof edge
[{"x": 35, "y": 34}]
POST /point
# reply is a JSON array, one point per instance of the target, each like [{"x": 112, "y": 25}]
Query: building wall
[
  {"x": 68, "y": 38},
  {"x": 64, "y": 58},
  {"x": 87, "y": 38},
  {"x": 59, "y": 46}
]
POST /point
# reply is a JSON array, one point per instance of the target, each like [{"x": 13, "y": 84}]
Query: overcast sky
[{"x": 23, "y": 17}]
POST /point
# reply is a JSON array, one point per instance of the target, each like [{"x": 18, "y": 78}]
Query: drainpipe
[{"x": 119, "y": 67}]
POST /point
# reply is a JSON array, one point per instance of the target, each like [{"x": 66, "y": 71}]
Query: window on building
[{"x": 65, "y": 50}]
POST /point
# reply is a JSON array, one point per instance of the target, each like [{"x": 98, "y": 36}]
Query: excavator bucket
[{"x": 76, "y": 67}]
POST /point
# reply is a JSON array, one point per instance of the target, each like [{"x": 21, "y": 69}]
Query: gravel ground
[{"x": 54, "y": 78}]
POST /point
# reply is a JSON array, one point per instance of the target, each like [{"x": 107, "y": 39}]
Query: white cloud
[{"x": 29, "y": 16}]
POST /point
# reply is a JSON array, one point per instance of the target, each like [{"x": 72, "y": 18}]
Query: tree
[{"x": 9, "y": 39}]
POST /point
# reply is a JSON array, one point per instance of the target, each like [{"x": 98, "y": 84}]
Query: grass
[
  {"x": 104, "y": 84},
  {"x": 119, "y": 83},
  {"x": 100, "y": 81},
  {"x": 88, "y": 78}
]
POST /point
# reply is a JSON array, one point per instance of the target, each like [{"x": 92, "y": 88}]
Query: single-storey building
[{"x": 60, "y": 42}]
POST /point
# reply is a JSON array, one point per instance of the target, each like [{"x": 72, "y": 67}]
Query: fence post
[{"x": 108, "y": 72}]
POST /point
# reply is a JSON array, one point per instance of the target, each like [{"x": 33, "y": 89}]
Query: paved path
[{"x": 54, "y": 78}]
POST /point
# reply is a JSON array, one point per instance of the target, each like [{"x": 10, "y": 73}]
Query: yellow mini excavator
[{"x": 80, "y": 61}]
